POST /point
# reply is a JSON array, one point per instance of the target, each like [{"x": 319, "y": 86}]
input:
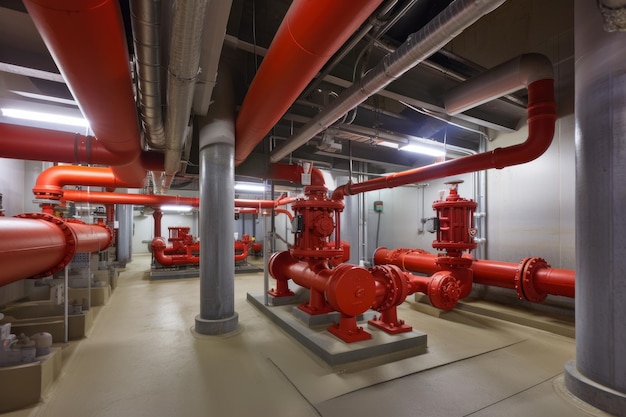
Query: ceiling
[{"x": 412, "y": 106}]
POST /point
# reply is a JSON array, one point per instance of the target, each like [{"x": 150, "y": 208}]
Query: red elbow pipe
[
  {"x": 87, "y": 41},
  {"x": 50, "y": 182},
  {"x": 541, "y": 121},
  {"x": 310, "y": 34},
  {"x": 38, "y": 245}
]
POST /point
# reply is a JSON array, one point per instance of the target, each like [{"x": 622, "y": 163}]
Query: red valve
[{"x": 456, "y": 222}]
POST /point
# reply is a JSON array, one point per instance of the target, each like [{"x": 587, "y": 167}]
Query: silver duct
[
  {"x": 146, "y": 23},
  {"x": 419, "y": 46},
  {"x": 184, "y": 65}
]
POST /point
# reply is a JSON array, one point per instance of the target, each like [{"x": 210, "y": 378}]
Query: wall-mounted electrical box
[{"x": 378, "y": 206}]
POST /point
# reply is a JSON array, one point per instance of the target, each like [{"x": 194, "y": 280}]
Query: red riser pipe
[
  {"x": 87, "y": 41},
  {"x": 310, "y": 34},
  {"x": 541, "y": 121}
]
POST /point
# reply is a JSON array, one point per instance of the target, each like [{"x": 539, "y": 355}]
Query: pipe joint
[{"x": 525, "y": 279}]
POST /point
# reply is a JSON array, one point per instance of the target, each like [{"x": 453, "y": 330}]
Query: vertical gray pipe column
[
  {"x": 124, "y": 214},
  {"x": 598, "y": 376},
  {"x": 217, "y": 207}
]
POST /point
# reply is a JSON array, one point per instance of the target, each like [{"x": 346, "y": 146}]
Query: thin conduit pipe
[
  {"x": 529, "y": 68},
  {"x": 419, "y": 46},
  {"x": 36, "y": 144},
  {"x": 311, "y": 32},
  {"x": 87, "y": 41}
]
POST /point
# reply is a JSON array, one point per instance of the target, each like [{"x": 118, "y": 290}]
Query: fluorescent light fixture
[
  {"x": 44, "y": 117},
  {"x": 242, "y": 186},
  {"x": 423, "y": 149},
  {"x": 180, "y": 209},
  {"x": 388, "y": 144}
]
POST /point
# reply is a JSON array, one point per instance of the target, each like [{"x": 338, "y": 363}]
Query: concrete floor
[{"x": 142, "y": 359}]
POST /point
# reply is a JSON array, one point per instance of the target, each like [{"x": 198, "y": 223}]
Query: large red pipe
[
  {"x": 541, "y": 120},
  {"x": 36, "y": 244},
  {"x": 310, "y": 34},
  {"x": 293, "y": 173},
  {"x": 532, "y": 278},
  {"x": 50, "y": 182},
  {"x": 87, "y": 41},
  {"x": 36, "y": 144}
]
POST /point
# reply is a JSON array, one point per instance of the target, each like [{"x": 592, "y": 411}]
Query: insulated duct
[
  {"x": 146, "y": 22},
  {"x": 311, "y": 32},
  {"x": 87, "y": 41},
  {"x": 438, "y": 32},
  {"x": 184, "y": 65}
]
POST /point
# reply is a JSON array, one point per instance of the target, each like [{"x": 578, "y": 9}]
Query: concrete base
[
  {"x": 334, "y": 351},
  {"x": 246, "y": 268},
  {"x": 24, "y": 385},
  {"x": 43, "y": 316},
  {"x": 599, "y": 396},
  {"x": 99, "y": 295},
  {"x": 216, "y": 327},
  {"x": 174, "y": 273}
]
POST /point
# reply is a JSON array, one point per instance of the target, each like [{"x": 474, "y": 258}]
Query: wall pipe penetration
[
  {"x": 501, "y": 80},
  {"x": 73, "y": 33},
  {"x": 309, "y": 35},
  {"x": 39, "y": 244}
]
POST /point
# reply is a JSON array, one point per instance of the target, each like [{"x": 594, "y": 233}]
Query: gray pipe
[
  {"x": 184, "y": 65},
  {"x": 217, "y": 205},
  {"x": 419, "y": 46},
  {"x": 146, "y": 23},
  {"x": 598, "y": 375}
]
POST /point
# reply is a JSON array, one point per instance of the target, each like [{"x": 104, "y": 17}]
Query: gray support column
[
  {"x": 217, "y": 207},
  {"x": 124, "y": 214},
  {"x": 598, "y": 376}
]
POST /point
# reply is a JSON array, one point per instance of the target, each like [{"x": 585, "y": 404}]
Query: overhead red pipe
[
  {"x": 310, "y": 34},
  {"x": 541, "y": 120},
  {"x": 37, "y": 244},
  {"x": 50, "y": 183},
  {"x": 86, "y": 38},
  {"x": 36, "y": 144},
  {"x": 150, "y": 200}
]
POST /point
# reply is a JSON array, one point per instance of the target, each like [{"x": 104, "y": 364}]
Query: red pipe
[
  {"x": 158, "y": 249},
  {"x": 37, "y": 244},
  {"x": 87, "y": 41},
  {"x": 532, "y": 278},
  {"x": 310, "y": 34},
  {"x": 151, "y": 200},
  {"x": 50, "y": 182},
  {"x": 293, "y": 173},
  {"x": 36, "y": 144},
  {"x": 541, "y": 120}
]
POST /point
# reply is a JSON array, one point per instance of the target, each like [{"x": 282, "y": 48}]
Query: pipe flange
[
  {"x": 68, "y": 234},
  {"x": 444, "y": 290},
  {"x": 395, "y": 283},
  {"x": 524, "y": 279},
  {"x": 351, "y": 289}
]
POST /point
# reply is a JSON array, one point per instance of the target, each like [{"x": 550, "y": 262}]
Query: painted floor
[{"x": 141, "y": 358}]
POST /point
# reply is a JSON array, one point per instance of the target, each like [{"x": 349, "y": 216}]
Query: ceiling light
[
  {"x": 44, "y": 117},
  {"x": 180, "y": 209},
  {"x": 388, "y": 144},
  {"x": 423, "y": 149},
  {"x": 259, "y": 188}
]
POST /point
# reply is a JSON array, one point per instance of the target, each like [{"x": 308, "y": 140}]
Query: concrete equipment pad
[{"x": 334, "y": 351}]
